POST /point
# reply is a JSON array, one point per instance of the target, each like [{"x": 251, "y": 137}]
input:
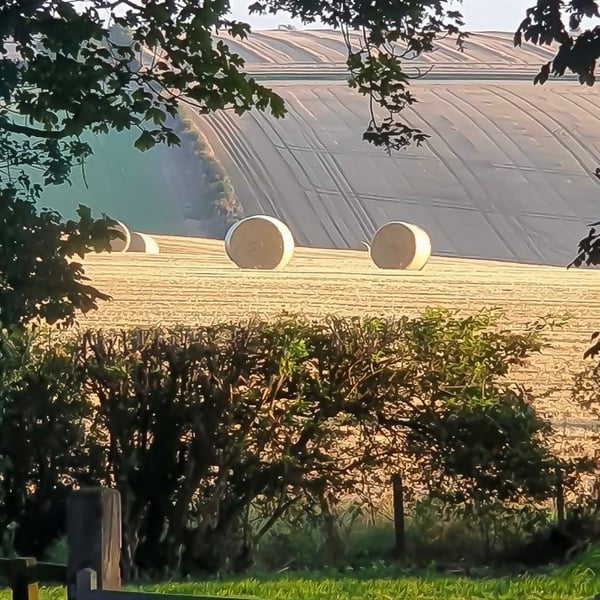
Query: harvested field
[
  {"x": 506, "y": 174},
  {"x": 192, "y": 282}
]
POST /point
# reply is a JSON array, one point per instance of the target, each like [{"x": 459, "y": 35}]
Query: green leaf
[{"x": 145, "y": 141}]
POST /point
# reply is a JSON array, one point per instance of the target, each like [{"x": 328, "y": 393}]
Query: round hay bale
[
  {"x": 119, "y": 245},
  {"x": 142, "y": 242},
  {"x": 398, "y": 245},
  {"x": 259, "y": 242}
]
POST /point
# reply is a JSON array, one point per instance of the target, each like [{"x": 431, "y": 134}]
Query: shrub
[{"x": 219, "y": 194}]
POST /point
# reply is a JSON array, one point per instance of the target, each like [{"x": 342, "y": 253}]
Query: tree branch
[{"x": 32, "y": 132}]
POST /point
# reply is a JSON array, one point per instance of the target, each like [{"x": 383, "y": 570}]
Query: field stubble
[{"x": 192, "y": 282}]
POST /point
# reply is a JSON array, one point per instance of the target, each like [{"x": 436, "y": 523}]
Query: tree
[
  {"x": 67, "y": 69},
  {"x": 37, "y": 278},
  {"x": 558, "y": 22}
]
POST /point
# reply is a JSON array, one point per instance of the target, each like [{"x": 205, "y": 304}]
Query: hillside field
[
  {"x": 313, "y": 50},
  {"x": 506, "y": 174}
]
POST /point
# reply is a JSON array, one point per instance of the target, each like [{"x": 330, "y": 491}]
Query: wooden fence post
[
  {"x": 399, "y": 529},
  {"x": 94, "y": 537},
  {"x": 86, "y": 582},
  {"x": 23, "y": 579}
]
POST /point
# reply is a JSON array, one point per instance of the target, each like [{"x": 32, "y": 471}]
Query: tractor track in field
[
  {"x": 248, "y": 158},
  {"x": 345, "y": 190},
  {"x": 445, "y": 159},
  {"x": 554, "y": 133},
  {"x": 281, "y": 144},
  {"x": 497, "y": 207},
  {"x": 313, "y": 171}
]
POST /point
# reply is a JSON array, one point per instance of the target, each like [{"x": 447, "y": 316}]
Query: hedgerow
[{"x": 204, "y": 429}]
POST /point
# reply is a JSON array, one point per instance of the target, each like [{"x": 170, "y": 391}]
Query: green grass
[{"x": 578, "y": 581}]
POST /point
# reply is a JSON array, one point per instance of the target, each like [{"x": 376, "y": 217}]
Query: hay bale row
[
  {"x": 266, "y": 243},
  {"x": 263, "y": 242},
  {"x": 133, "y": 241}
]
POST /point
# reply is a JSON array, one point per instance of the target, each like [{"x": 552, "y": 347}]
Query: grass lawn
[{"x": 578, "y": 581}]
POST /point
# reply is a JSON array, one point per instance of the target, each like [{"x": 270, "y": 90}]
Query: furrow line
[
  {"x": 337, "y": 178},
  {"x": 268, "y": 123},
  {"x": 281, "y": 209},
  {"x": 341, "y": 180},
  {"x": 574, "y": 155},
  {"x": 249, "y": 169},
  {"x": 510, "y": 218},
  {"x": 447, "y": 164}
]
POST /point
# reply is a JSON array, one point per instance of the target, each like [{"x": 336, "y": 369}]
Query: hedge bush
[
  {"x": 219, "y": 193},
  {"x": 202, "y": 428}
]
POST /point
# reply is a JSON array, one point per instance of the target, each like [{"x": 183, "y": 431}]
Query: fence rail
[
  {"x": 44, "y": 571},
  {"x": 23, "y": 575}
]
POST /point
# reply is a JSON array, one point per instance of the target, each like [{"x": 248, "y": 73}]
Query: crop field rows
[
  {"x": 505, "y": 175},
  {"x": 288, "y": 49}
]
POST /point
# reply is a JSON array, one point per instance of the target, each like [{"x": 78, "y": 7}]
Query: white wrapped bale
[
  {"x": 259, "y": 242},
  {"x": 121, "y": 245},
  {"x": 402, "y": 246},
  {"x": 142, "y": 242}
]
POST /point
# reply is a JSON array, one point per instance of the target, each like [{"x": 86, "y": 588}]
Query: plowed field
[{"x": 317, "y": 49}]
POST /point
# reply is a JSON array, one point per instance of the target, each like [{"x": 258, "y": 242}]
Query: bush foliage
[
  {"x": 218, "y": 194},
  {"x": 36, "y": 284},
  {"x": 212, "y": 434}
]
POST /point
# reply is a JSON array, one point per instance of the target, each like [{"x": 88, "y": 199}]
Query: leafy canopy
[
  {"x": 37, "y": 278},
  {"x": 127, "y": 64}
]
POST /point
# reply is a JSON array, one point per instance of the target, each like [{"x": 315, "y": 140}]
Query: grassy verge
[
  {"x": 578, "y": 581},
  {"x": 220, "y": 192}
]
